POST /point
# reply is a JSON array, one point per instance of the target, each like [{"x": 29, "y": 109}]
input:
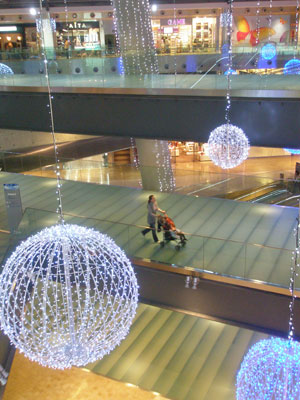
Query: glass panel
[
  {"x": 225, "y": 257},
  {"x": 268, "y": 264}
]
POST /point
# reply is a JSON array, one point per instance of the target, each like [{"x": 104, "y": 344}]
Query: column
[
  {"x": 135, "y": 38},
  {"x": 155, "y": 165},
  {"x": 45, "y": 29}
]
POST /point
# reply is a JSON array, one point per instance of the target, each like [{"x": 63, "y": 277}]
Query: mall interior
[{"x": 104, "y": 104}]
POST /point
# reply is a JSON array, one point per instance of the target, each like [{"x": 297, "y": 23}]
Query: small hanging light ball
[
  {"x": 268, "y": 51},
  {"x": 68, "y": 296},
  {"x": 292, "y": 67},
  {"x": 5, "y": 70},
  {"x": 228, "y": 146},
  {"x": 270, "y": 371}
]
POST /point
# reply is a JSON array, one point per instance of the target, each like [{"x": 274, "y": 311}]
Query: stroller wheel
[
  {"x": 177, "y": 247},
  {"x": 162, "y": 243}
]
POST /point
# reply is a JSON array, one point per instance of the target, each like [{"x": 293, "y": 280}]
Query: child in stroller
[{"x": 170, "y": 232}]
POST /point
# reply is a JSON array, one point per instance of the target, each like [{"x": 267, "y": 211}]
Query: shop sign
[
  {"x": 7, "y": 28},
  {"x": 78, "y": 25},
  {"x": 176, "y": 21}
]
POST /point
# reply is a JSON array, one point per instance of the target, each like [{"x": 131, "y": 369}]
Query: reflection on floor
[
  {"x": 30, "y": 381},
  {"x": 194, "y": 178}
]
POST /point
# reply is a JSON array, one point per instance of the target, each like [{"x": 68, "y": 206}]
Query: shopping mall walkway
[{"x": 228, "y": 237}]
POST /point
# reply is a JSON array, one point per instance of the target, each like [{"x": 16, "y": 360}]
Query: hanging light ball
[
  {"x": 228, "y": 146},
  {"x": 268, "y": 51},
  {"x": 292, "y": 67},
  {"x": 270, "y": 371},
  {"x": 68, "y": 296},
  {"x": 292, "y": 151},
  {"x": 5, "y": 70}
]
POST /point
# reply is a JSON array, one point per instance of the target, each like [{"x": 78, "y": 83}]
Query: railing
[
  {"x": 203, "y": 69},
  {"x": 230, "y": 258}
]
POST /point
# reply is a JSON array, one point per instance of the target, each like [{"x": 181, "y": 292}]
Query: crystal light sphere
[
  {"x": 68, "y": 296},
  {"x": 4, "y": 70},
  {"x": 268, "y": 51},
  {"x": 228, "y": 146},
  {"x": 270, "y": 371},
  {"x": 292, "y": 67}
]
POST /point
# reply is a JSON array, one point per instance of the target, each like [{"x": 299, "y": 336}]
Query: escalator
[{"x": 278, "y": 193}]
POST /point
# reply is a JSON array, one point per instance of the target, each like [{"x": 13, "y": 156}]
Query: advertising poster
[{"x": 246, "y": 34}]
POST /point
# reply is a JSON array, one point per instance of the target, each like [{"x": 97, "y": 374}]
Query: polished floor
[
  {"x": 197, "y": 178},
  {"x": 29, "y": 381}
]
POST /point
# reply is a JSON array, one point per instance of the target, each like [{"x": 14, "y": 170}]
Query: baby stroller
[{"x": 171, "y": 233}]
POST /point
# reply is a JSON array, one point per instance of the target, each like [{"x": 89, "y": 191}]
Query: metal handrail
[{"x": 143, "y": 227}]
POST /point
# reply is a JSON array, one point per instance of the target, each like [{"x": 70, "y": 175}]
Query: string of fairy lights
[
  {"x": 296, "y": 38},
  {"x": 52, "y": 127},
  {"x": 135, "y": 38},
  {"x": 164, "y": 169},
  {"x": 257, "y": 23}
]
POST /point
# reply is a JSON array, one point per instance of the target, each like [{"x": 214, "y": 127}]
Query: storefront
[
  {"x": 204, "y": 33},
  {"x": 173, "y": 35},
  {"x": 83, "y": 35},
  {"x": 11, "y": 37},
  {"x": 184, "y": 35}
]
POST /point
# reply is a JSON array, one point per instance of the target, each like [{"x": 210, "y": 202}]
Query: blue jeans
[{"x": 153, "y": 229}]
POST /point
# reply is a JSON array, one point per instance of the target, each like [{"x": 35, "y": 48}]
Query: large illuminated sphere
[
  {"x": 268, "y": 51},
  {"x": 228, "y": 146},
  {"x": 292, "y": 151},
  {"x": 68, "y": 296},
  {"x": 270, "y": 371},
  {"x": 292, "y": 67},
  {"x": 4, "y": 70}
]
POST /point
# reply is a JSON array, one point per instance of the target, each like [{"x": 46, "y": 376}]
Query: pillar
[
  {"x": 45, "y": 29},
  {"x": 135, "y": 38},
  {"x": 155, "y": 165}
]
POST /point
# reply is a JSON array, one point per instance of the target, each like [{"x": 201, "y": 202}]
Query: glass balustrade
[
  {"x": 229, "y": 258},
  {"x": 203, "y": 69}
]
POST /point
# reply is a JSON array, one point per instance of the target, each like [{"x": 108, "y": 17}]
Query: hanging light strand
[
  {"x": 293, "y": 277},
  {"x": 270, "y": 19},
  {"x": 52, "y": 127},
  {"x": 257, "y": 22},
  {"x": 296, "y": 29},
  {"x": 229, "y": 68}
]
